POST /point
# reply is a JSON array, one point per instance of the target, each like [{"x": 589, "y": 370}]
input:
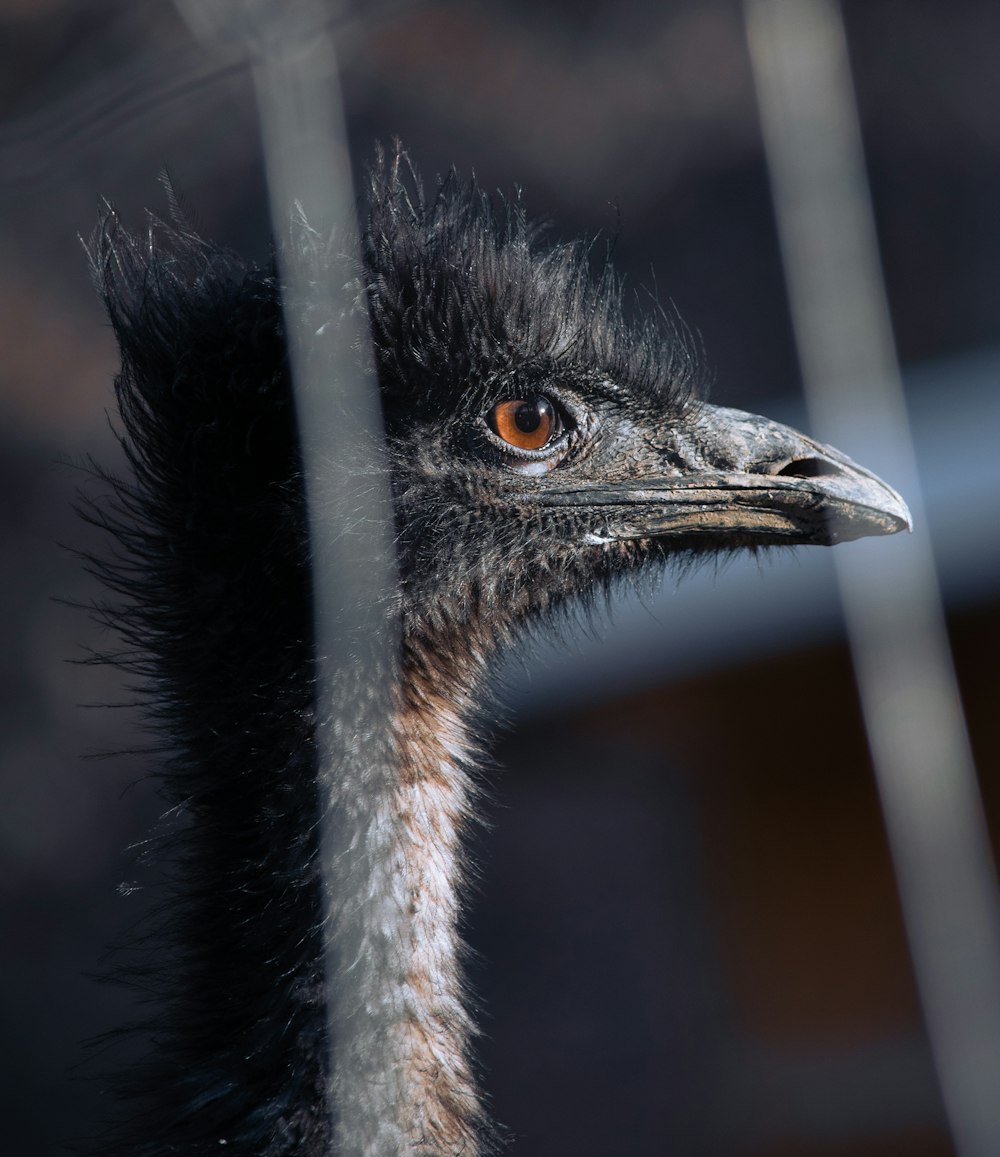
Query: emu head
[{"x": 544, "y": 444}]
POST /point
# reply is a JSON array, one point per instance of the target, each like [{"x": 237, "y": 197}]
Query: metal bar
[
  {"x": 910, "y": 698},
  {"x": 354, "y": 577}
]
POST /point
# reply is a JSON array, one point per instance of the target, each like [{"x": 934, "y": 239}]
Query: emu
[{"x": 541, "y": 448}]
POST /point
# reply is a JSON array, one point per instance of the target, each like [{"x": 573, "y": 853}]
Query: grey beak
[{"x": 739, "y": 478}]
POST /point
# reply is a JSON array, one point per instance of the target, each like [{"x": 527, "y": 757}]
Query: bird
[{"x": 544, "y": 444}]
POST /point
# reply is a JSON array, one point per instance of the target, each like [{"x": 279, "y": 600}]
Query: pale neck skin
[{"x": 402, "y": 1083}]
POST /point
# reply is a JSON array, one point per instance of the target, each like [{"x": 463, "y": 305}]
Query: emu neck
[{"x": 402, "y": 1082}]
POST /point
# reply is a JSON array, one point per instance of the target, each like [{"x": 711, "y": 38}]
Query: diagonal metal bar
[{"x": 910, "y": 698}]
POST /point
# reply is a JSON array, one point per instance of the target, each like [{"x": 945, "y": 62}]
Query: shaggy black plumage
[
  {"x": 470, "y": 313},
  {"x": 216, "y": 618}
]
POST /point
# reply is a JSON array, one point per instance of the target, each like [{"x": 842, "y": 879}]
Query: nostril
[{"x": 808, "y": 468}]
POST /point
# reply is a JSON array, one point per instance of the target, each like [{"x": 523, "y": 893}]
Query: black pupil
[{"x": 529, "y": 415}]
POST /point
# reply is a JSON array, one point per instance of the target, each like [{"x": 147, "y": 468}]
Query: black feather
[
  {"x": 467, "y": 306},
  {"x": 216, "y": 615}
]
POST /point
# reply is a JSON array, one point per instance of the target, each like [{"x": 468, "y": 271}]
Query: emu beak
[{"x": 738, "y": 478}]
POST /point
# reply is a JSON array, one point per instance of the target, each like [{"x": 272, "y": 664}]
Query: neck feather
[{"x": 402, "y": 1079}]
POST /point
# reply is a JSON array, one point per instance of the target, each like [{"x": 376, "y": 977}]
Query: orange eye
[{"x": 527, "y": 424}]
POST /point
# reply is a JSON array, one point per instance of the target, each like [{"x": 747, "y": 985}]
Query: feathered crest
[{"x": 460, "y": 286}]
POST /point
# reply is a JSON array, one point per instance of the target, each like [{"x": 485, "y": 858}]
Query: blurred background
[{"x": 688, "y": 934}]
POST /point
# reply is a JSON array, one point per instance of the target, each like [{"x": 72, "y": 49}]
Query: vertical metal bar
[
  {"x": 912, "y": 710},
  {"x": 354, "y": 577}
]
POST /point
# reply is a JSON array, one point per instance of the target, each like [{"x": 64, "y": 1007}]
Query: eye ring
[{"x": 526, "y": 423}]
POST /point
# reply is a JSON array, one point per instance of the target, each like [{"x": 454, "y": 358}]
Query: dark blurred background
[{"x": 688, "y": 933}]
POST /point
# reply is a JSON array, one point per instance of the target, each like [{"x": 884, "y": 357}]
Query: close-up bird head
[{"x": 546, "y": 440}]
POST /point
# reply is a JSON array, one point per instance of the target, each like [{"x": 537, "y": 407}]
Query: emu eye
[{"x": 527, "y": 423}]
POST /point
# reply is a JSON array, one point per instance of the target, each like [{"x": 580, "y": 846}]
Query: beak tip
[
  {"x": 872, "y": 519},
  {"x": 898, "y": 512}
]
